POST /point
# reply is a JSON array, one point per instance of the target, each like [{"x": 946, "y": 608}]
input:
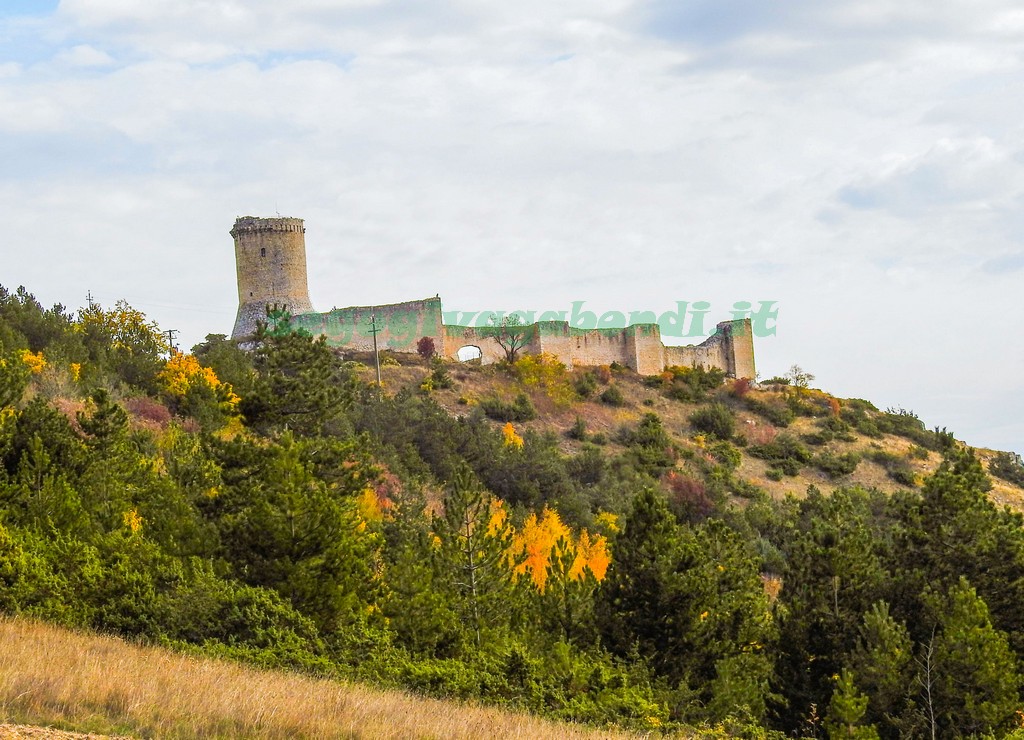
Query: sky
[{"x": 860, "y": 163}]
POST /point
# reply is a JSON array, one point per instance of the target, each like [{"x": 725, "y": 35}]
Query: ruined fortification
[
  {"x": 270, "y": 261},
  {"x": 270, "y": 257}
]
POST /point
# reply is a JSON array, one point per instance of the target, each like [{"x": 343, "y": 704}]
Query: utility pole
[
  {"x": 88, "y": 297},
  {"x": 170, "y": 339},
  {"x": 376, "y": 354}
]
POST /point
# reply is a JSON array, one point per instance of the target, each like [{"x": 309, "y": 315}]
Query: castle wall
[
  {"x": 270, "y": 259},
  {"x": 731, "y": 348},
  {"x": 578, "y": 347},
  {"x": 457, "y": 337},
  {"x": 399, "y": 325},
  {"x": 639, "y": 347},
  {"x": 707, "y": 355}
]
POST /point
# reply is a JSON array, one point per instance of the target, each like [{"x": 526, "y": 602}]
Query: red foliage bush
[
  {"x": 759, "y": 434},
  {"x": 146, "y": 409},
  {"x": 688, "y": 497},
  {"x": 425, "y": 347},
  {"x": 70, "y": 408},
  {"x": 740, "y": 387}
]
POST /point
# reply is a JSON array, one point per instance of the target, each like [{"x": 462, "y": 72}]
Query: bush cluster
[
  {"x": 519, "y": 409},
  {"x": 784, "y": 454},
  {"x": 1008, "y": 467},
  {"x": 715, "y": 419},
  {"x": 896, "y": 467},
  {"x": 774, "y": 411}
]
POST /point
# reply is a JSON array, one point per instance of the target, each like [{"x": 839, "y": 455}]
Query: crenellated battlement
[{"x": 254, "y": 224}]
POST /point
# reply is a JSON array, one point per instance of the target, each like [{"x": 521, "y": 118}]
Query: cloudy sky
[{"x": 860, "y": 162}]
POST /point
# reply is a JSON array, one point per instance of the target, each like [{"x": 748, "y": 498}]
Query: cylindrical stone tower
[{"x": 270, "y": 259}]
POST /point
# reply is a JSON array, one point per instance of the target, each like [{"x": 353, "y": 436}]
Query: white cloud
[
  {"x": 968, "y": 176},
  {"x": 84, "y": 55},
  {"x": 860, "y": 163}
]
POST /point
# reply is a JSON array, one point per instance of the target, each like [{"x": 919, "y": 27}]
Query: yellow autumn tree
[
  {"x": 35, "y": 361},
  {"x": 132, "y": 521},
  {"x": 123, "y": 341},
  {"x": 535, "y": 542},
  {"x": 592, "y": 553},
  {"x": 549, "y": 373},
  {"x": 497, "y": 517},
  {"x": 564, "y": 570},
  {"x": 182, "y": 371},
  {"x": 368, "y": 505},
  {"x": 196, "y": 390},
  {"x": 511, "y": 438},
  {"x": 127, "y": 328},
  {"x": 545, "y": 540}
]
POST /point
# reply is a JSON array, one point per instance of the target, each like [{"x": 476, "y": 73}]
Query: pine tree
[
  {"x": 976, "y": 681},
  {"x": 691, "y": 602},
  {"x": 846, "y": 712},
  {"x": 107, "y": 424},
  {"x": 300, "y": 385},
  {"x": 955, "y": 531},
  {"x": 883, "y": 664},
  {"x": 731, "y": 630},
  {"x": 835, "y": 570},
  {"x": 42, "y": 496},
  {"x": 476, "y": 541},
  {"x": 14, "y": 376},
  {"x": 289, "y": 531},
  {"x": 421, "y": 603},
  {"x": 634, "y": 606}
]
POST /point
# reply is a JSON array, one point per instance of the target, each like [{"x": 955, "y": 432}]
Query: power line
[
  {"x": 376, "y": 354},
  {"x": 218, "y": 309}
]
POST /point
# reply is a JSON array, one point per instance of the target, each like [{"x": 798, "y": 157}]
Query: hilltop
[{"x": 894, "y": 449}]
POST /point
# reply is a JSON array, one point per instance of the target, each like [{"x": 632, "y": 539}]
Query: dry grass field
[{"x": 59, "y": 678}]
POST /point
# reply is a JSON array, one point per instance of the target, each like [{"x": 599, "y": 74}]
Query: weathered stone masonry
[
  {"x": 270, "y": 261},
  {"x": 270, "y": 257}
]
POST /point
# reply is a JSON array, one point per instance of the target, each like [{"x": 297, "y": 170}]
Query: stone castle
[{"x": 270, "y": 258}]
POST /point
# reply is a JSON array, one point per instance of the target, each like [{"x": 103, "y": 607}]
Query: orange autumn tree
[
  {"x": 197, "y": 391},
  {"x": 564, "y": 570}
]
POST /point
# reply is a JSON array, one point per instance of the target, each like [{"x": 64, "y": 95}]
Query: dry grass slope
[
  {"x": 473, "y": 382},
  {"x": 51, "y": 676}
]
